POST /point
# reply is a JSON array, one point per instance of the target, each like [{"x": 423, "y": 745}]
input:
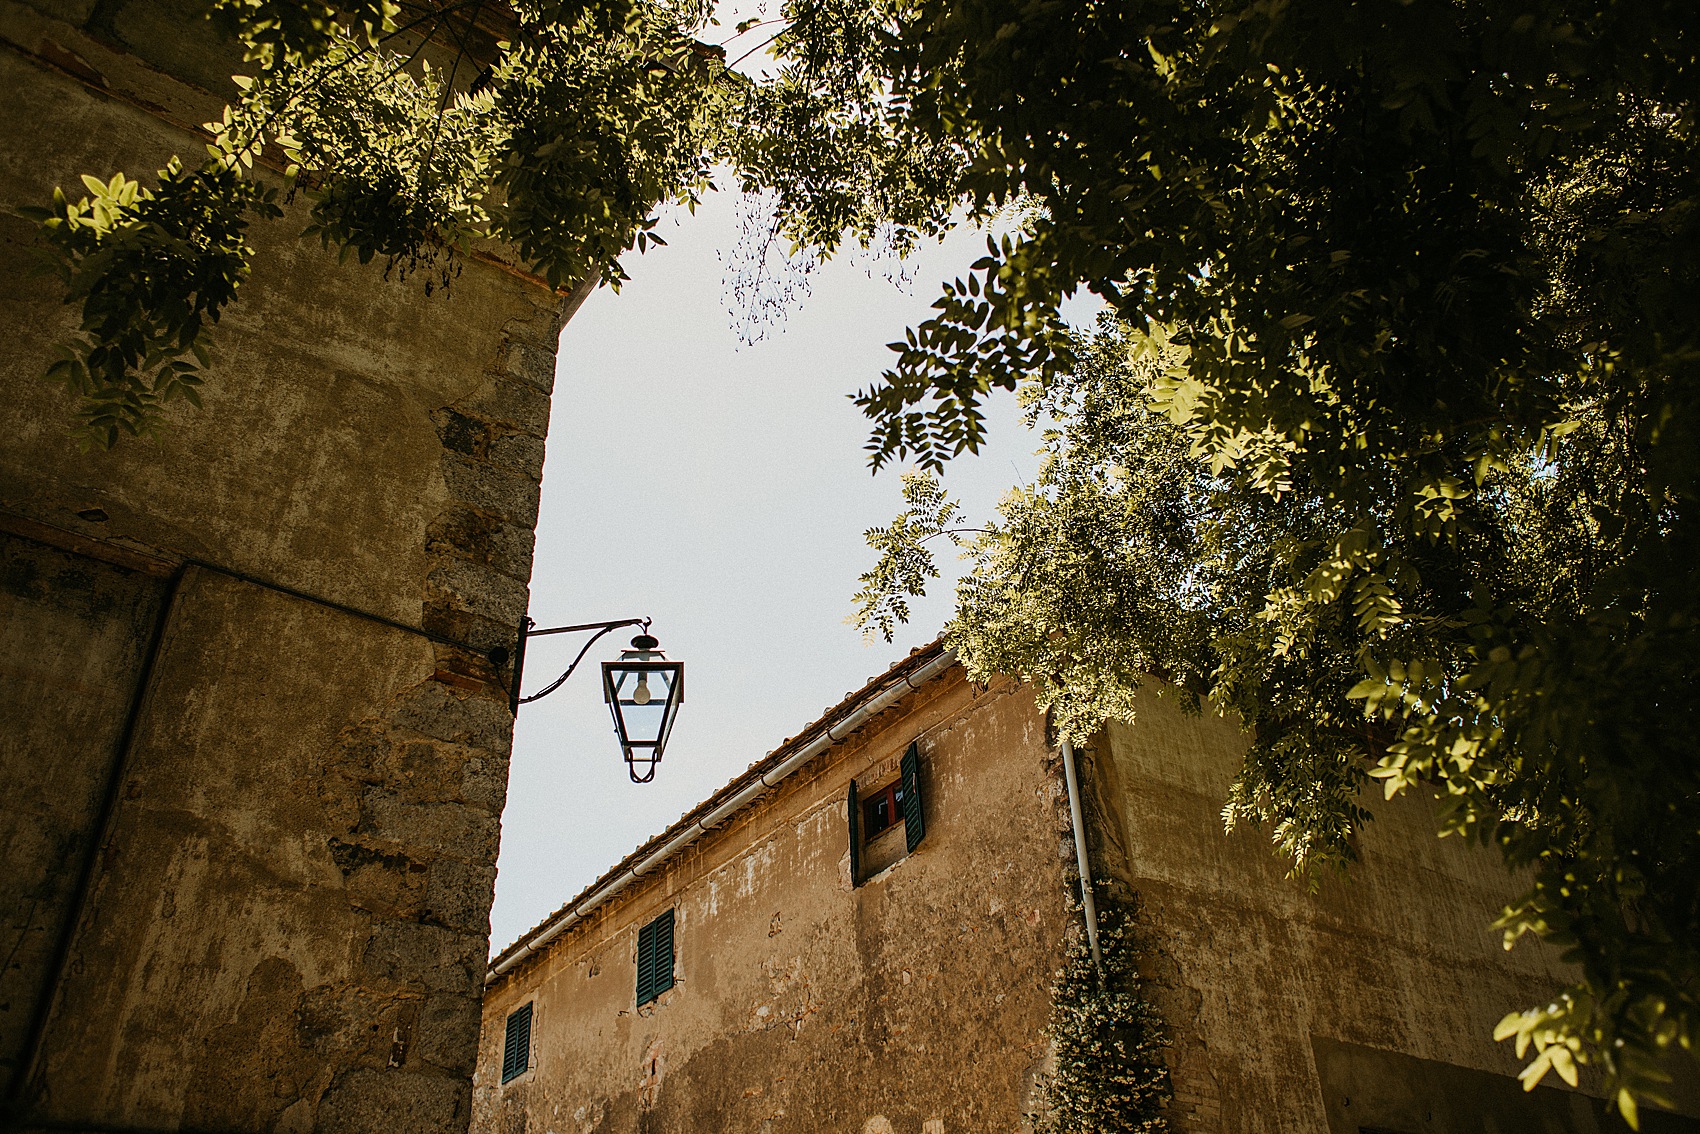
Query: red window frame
[{"x": 882, "y": 810}]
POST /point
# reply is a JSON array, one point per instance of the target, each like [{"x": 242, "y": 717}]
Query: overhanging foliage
[
  {"x": 1393, "y": 449},
  {"x": 559, "y": 142}
]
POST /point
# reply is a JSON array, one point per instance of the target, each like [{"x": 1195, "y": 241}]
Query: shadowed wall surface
[
  {"x": 255, "y": 746},
  {"x": 1393, "y": 970}
]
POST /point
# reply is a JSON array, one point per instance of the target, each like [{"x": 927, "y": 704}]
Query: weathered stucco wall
[
  {"x": 913, "y": 1003},
  {"x": 73, "y": 636},
  {"x": 1369, "y": 1005},
  {"x": 359, "y": 437},
  {"x": 250, "y": 833}
]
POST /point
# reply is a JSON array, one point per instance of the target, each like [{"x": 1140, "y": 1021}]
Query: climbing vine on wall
[{"x": 1110, "y": 1077}]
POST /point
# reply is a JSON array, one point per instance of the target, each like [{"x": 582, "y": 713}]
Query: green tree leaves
[
  {"x": 1426, "y": 272},
  {"x": 1493, "y": 663},
  {"x": 153, "y": 269},
  {"x": 560, "y": 143},
  {"x": 599, "y": 131},
  {"x": 283, "y": 31},
  {"x": 905, "y": 564}
]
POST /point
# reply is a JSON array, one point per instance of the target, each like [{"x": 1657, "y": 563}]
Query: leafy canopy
[{"x": 1391, "y": 448}]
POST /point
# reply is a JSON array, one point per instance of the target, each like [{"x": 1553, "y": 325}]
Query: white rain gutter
[
  {"x": 835, "y": 733},
  {"x": 1086, "y": 898}
]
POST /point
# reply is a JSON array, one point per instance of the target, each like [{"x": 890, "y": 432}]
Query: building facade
[
  {"x": 867, "y": 948},
  {"x": 803, "y": 997},
  {"x": 254, "y": 731}
]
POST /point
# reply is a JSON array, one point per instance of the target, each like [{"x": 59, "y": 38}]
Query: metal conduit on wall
[{"x": 1076, "y": 815}]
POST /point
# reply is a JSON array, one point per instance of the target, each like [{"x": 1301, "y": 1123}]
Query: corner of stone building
[
  {"x": 479, "y": 547},
  {"x": 1195, "y": 1104},
  {"x": 415, "y": 795},
  {"x": 353, "y": 997}
]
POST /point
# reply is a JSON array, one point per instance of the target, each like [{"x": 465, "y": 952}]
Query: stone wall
[
  {"x": 911, "y": 1003},
  {"x": 255, "y": 745},
  {"x": 1368, "y": 1005}
]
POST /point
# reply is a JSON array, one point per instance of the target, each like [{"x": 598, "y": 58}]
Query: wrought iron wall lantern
[{"x": 643, "y": 690}]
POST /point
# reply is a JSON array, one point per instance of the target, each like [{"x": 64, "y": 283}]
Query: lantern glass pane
[
  {"x": 643, "y": 722},
  {"x": 644, "y": 696}
]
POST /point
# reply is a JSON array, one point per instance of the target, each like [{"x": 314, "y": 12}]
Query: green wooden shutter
[
  {"x": 516, "y": 1045},
  {"x": 646, "y": 963},
  {"x": 664, "y": 952},
  {"x": 855, "y": 837},
  {"x": 655, "y": 958},
  {"x": 645, "y": 950},
  {"x": 914, "y": 825}
]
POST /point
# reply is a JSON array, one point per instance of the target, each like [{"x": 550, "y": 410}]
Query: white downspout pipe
[{"x": 1086, "y": 898}]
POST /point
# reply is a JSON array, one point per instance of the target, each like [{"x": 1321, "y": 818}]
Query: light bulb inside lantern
[{"x": 641, "y": 695}]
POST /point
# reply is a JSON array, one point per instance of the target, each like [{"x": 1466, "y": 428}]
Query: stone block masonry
[{"x": 255, "y": 744}]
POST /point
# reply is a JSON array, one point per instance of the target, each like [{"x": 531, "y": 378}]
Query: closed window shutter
[
  {"x": 655, "y": 958},
  {"x": 664, "y": 953},
  {"x": 855, "y": 837},
  {"x": 914, "y": 825},
  {"x": 516, "y": 1046},
  {"x": 646, "y": 963}
]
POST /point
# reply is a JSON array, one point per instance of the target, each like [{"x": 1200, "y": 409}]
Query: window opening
[
  {"x": 655, "y": 958},
  {"x": 516, "y": 1047},
  {"x": 876, "y": 813},
  {"x": 882, "y": 810}
]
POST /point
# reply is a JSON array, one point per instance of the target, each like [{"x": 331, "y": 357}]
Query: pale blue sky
[{"x": 723, "y": 491}]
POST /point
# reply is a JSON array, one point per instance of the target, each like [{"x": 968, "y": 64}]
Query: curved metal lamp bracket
[
  {"x": 641, "y": 754},
  {"x": 526, "y": 633}
]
